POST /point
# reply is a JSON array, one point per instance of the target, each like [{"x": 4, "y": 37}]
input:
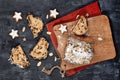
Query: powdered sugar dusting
[{"x": 78, "y": 52}]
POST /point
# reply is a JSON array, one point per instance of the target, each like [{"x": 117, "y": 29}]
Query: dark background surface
[{"x": 106, "y": 70}]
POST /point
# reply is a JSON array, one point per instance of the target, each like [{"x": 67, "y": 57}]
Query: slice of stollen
[
  {"x": 40, "y": 50},
  {"x": 19, "y": 58},
  {"x": 35, "y": 24},
  {"x": 80, "y": 28}
]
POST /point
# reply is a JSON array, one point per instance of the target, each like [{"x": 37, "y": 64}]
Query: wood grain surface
[{"x": 99, "y": 27}]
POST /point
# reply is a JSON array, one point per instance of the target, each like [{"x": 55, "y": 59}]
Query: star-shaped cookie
[
  {"x": 17, "y": 16},
  {"x": 14, "y": 33},
  {"x": 63, "y": 28},
  {"x": 53, "y": 13}
]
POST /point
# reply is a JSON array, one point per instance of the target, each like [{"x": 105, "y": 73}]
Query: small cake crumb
[
  {"x": 58, "y": 36},
  {"x": 24, "y": 39},
  {"x": 49, "y": 33},
  {"x": 87, "y": 15},
  {"x": 100, "y": 38},
  {"x": 39, "y": 63},
  {"x": 23, "y": 29},
  {"x": 47, "y": 16},
  {"x": 51, "y": 54}
]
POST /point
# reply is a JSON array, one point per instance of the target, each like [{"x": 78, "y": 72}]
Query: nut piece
[
  {"x": 24, "y": 39},
  {"x": 23, "y": 29},
  {"x": 81, "y": 26},
  {"x": 78, "y": 52},
  {"x": 40, "y": 50},
  {"x": 49, "y": 33},
  {"x": 36, "y": 24},
  {"x": 100, "y": 38},
  {"x": 39, "y": 63},
  {"x": 51, "y": 54},
  {"x": 19, "y": 58},
  {"x": 47, "y": 16}
]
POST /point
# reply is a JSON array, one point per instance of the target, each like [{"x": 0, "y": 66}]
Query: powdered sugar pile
[{"x": 78, "y": 52}]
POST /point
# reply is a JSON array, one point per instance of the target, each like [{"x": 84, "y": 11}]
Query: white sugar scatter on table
[
  {"x": 53, "y": 13},
  {"x": 10, "y": 60},
  {"x": 17, "y": 16},
  {"x": 39, "y": 63}
]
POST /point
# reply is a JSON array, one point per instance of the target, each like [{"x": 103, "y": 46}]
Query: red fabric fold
[{"x": 91, "y": 9}]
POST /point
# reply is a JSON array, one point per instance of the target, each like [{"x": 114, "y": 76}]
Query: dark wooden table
[{"x": 107, "y": 70}]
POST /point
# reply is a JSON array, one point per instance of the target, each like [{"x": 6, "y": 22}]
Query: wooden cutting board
[{"x": 99, "y": 27}]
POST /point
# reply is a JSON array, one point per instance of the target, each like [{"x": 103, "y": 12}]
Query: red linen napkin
[{"x": 91, "y": 9}]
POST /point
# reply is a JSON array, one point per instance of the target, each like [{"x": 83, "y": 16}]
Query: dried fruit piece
[
  {"x": 40, "y": 50},
  {"x": 36, "y": 24},
  {"x": 19, "y": 58},
  {"x": 81, "y": 26}
]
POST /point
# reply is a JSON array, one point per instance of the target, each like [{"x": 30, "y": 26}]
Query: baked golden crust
[
  {"x": 35, "y": 24},
  {"x": 40, "y": 50},
  {"x": 18, "y": 57}
]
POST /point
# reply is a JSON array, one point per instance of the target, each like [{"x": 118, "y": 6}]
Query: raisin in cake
[
  {"x": 36, "y": 24},
  {"x": 81, "y": 26},
  {"x": 19, "y": 58},
  {"x": 40, "y": 50},
  {"x": 78, "y": 52}
]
